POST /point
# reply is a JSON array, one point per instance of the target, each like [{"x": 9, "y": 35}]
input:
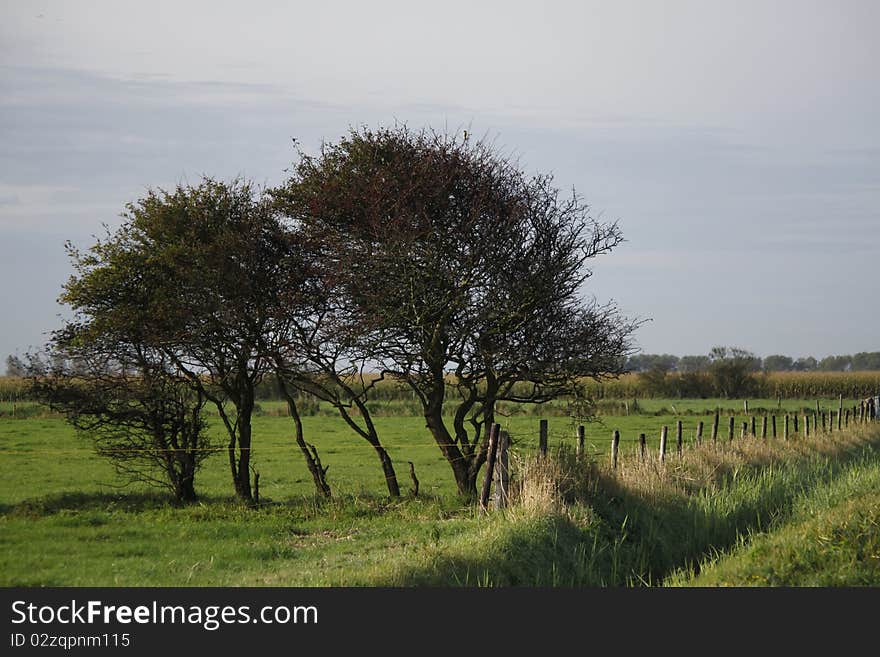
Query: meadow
[{"x": 711, "y": 516}]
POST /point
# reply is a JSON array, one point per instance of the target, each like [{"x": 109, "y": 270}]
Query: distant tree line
[{"x": 860, "y": 362}]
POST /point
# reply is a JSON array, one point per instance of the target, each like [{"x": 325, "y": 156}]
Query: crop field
[{"x": 67, "y": 518}]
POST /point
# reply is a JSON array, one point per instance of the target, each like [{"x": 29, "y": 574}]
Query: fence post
[
  {"x": 806, "y": 426},
  {"x": 764, "y": 426},
  {"x": 615, "y": 446},
  {"x": 824, "y": 423},
  {"x": 490, "y": 465},
  {"x": 831, "y": 421},
  {"x": 663, "y": 444},
  {"x": 678, "y": 439},
  {"x": 715, "y": 428},
  {"x": 730, "y": 430},
  {"x": 502, "y": 470},
  {"x": 773, "y": 433},
  {"x": 643, "y": 447},
  {"x": 745, "y": 429},
  {"x": 745, "y": 406},
  {"x": 542, "y": 437},
  {"x": 700, "y": 432},
  {"x": 785, "y": 428},
  {"x": 847, "y": 418},
  {"x": 840, "y": 412},
  {"x": 796, "y": 424},
  {"x": 580, "y": 440},
  {"x": 754, "y": 431}
]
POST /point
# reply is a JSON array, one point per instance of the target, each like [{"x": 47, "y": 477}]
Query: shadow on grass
[
  {"x": 77, "y": 501},
  {"x": 353, "y": 506}
]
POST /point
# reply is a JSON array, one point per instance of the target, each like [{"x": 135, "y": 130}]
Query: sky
[{"x": 737, "y": 143}]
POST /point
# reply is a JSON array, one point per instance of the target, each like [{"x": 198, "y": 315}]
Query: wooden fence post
[
  {"x": 730, "y": 430},
  {"x": 847, "y": 418},
  {"x": 615, "y": 446},
  {"x": 678, "y": 438},
  {"x": 824, "y": 423},
  {"x": 580, "y": 440},
  {"x": 542, "y": 437},
  {"x": 490, "y": 465},
  {"x": 745, "y": 429},
  {"x": 663, "y": 444},
  {"x": 745, "y": 406},
  {"x": 764, "y": 426},
  {"x": 700, "y": 432},
  {"x": 502, "y": 470},
  {"x": 785, "y": 428},
  {"x": 840, "y": 412},
  {"x": 715, "y": 428},
  {"x": 773, "y": 433},
  {"x": 754, "y": 430},
  {"x": 806, "y": 426},
  {"x": 831, "y": 421},
  {"x": 643, "y": 447}
]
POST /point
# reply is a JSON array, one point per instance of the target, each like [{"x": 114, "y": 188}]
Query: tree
[
  {"x": 647, "y": 362},
  {"x": 805, "y": 364},
  {"x": 866, "y": 360},
  {"x": 458, "y": 275},
  {"x": 192, "y": 274},
  {"x": 14, "y": 366},
  {"x": 732, "y": 370},
  {"x": 692, "y": 364},
  {"x": 778, "y": 363},
  {"x": 144, "y": 418}
]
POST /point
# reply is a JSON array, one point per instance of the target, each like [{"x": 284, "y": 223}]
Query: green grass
[
  {"x": 45, "y": 450},
  {"x": 66, "y": 521},
  {"x": 831, "y": 539}
]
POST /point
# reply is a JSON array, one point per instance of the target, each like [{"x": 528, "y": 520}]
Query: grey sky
[{"x": 736, "y": 142}]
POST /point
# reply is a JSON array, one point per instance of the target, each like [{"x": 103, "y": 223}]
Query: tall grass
[{"x": 573, "y": 522}]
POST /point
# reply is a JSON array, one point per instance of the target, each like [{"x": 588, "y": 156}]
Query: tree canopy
[{"x": 458, "y": 274}]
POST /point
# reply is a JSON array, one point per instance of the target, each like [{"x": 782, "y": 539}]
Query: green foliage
[
  {"x": 448, "y": 261},
  {"x": 732, "y": 370}
]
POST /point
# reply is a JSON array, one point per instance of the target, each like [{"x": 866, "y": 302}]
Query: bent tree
[
  {"x": 191, "y": 274},
  {"x": 141, "y": 416},
  {"x": 457, "y": 274}
]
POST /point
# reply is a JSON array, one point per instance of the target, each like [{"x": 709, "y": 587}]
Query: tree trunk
[
  {"x": 387, "y": 470},
  {"x": 465, "y": 478},
  {"x": 318, "y": 474},
  {"x": 181, "y": 471},
  {"x": 186, "y": 491},
  {"x": 243, "y": 478}
]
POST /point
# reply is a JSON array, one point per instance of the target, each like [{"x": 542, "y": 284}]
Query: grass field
[
  {"x": 46, "y": 450},
  {"x": 66, "y": 521}
]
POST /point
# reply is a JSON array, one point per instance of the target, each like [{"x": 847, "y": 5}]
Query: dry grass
[{"x": 549, "y": 485}]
